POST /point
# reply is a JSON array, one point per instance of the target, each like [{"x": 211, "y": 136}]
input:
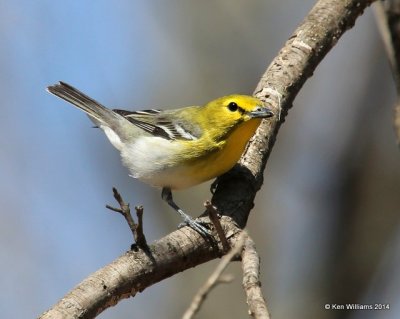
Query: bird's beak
[{"x": 261, "y": 112}]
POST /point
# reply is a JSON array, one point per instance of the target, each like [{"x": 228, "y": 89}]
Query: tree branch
[
  {"x": 251, "y": 280},
  {"x": 236, "y": 190},
  {"x": 295, "y": 63},
  {"x": 388, "y": 20},
  {"x": 136, "y": 270}
]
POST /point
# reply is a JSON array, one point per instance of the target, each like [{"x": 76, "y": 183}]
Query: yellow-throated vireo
[{"x": 179, "y": 148}]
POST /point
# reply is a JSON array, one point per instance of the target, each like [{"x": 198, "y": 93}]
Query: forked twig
[{"x": 124, "y": 210}]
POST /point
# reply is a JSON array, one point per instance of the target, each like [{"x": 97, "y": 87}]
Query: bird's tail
[{"x": 99, "y": 114}]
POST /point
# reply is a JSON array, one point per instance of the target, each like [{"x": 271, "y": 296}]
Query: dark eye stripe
[
  {"x": 233, "y": 107},
  {"x": 241, "y": 110}
]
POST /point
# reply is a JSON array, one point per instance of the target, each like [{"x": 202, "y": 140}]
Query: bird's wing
[{"x": 155, "y": 123}]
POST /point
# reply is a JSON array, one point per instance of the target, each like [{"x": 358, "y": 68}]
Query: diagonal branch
[
  {"x": 283, "y": 79},
  {"x": 251, "y": 280},
  {"x": 388, "y": 19},
  {"x": 236, "y": 190},
  {"x": 213, "y": 280},
  {"x": 133, "y": 272}
]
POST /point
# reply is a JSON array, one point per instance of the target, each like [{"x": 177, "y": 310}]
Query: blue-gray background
[{"x": 326, "y": 220}]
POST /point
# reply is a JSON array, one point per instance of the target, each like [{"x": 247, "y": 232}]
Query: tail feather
[{"x": 97, "y": 112}]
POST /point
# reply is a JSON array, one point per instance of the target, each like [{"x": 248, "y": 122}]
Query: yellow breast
[{"x": 218, "y": 161}]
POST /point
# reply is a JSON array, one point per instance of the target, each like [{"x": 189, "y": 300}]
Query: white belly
[{"x": 156, "y": 161}]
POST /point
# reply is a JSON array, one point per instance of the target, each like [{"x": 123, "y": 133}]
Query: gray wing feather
[{"x": 155, "y": 123}]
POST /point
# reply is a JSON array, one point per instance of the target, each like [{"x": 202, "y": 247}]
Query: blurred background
[{"x": 326, "y": 221}]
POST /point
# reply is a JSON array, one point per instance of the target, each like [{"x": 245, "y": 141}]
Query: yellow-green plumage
[
  {"x": 180, "y": 164},
  {"x": 178, "y": 148}
]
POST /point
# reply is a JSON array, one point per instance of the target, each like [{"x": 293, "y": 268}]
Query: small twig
[
  {"x": 213, "y": 280},
  {"x": 387, "y": 34},
  {"x": 251, "y": 280},
  {"x": 124, "y": 210},
  {"x": 213, "y": 214},
  {"x": 140, "y": 238}
]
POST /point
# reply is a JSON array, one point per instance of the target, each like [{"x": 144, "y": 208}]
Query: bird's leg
[{"x": 166, "y": 195}]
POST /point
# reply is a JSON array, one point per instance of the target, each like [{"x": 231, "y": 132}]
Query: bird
[{"x": 177, "y": 148}]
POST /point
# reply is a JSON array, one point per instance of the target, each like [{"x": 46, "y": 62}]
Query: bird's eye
[{"x": 232, "y": 107}]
